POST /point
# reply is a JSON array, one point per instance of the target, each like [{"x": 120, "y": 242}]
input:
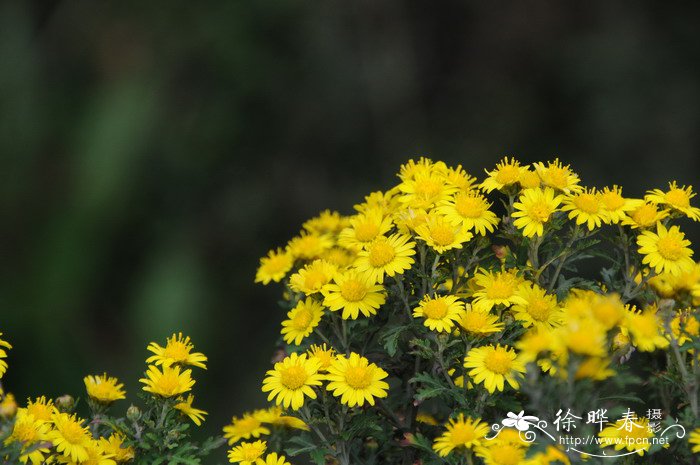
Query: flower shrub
[{"x": 417, "y": 327}]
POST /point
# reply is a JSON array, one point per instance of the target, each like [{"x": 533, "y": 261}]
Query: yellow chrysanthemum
[
  {"x": 247, "y": 453},
  {"x": 615, "y": 205},
  {"x": 646, "y": 329},
  {"x": 104, "y": 389},
  {"x": 30, "y": 432},
  {"x": 539, "y": 308},
  {"x": 273, "y": 459},
  {"x": 608, "y": 310},
  {"x": 114, "y": 447},
  {"x": 384, "y": 202},
  {"x": 534, "y": 209},
  {"x": 177, "y": 351},
  {"x": 586, "y": 207},
  {"x": 169, "y": 382},
  {"x": 442, "y": 235},
  {"x": 552, "y": 455},
  {"x": 583, "y": 337},
  {"x": 301, "y": 321},
  {"x": 631, "y": 434},
  {"x": 41, "y": 408},
  {"x": 666, "y": 250},
  {"x": 502, "y": 454},
  {"x": 459, "y": 178},
  {"x": 507, "y": 173},
  {"x": 353, "y": 292},
  {"x": 424, "y": 166},
  {"x": 275, "y": 416},
  {"x": 323, "y": 355},
  {"x": 313, "y": 276},
  {"x": 558, "y": 176},
  {"x": 479, "y": 323},
  {"x": 70, "y": 437},
  {"x": 386, "y": 255},
  {"x": 439, "y": 312},
  {"x": 408, "y": 219},
  {"x": 677, "y": 198},
  {"x": 493, "y": 366},
  {"x": 534, "y": 344},
  {"x": 309, "y": 246},
  {"x": 327, "y": 222},
  {"x": 529, "y": 179},
  {"x": 8, "y": 405},
  {"x": 424, "y": 191},
  {"x": 364, "y": 228},
  {"x": 340, "y": 256},
  {"x": 274, "y": 266},
  {"x": 194, "y": 414},
  {"x": 685, "y": 326},
  {"x": 291, "y": 380},
  {"x": 95, "y": 456},
  {"x": 3, "y": 354},
  {"x": 594, "y": 368},
  {"x": 355, "y": 380},
  {"x": 459, "y": 433},
  {"x": 643, "y": 216},
  {"x": 471, "y": 210},
  {"x": 426, "y": 418},
  {"x": 500, "y": 288},
  {"x": 694, "y": 440},
  {"x": 246, "y": 427}
]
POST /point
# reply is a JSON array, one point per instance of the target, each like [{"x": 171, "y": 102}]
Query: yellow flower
[
  {"x": 301, "y": 321},
  {"x": 313, "y": 277},
  {"x": 3, "y": 354},
  {"x": 442, "y": 235},
  {"x": 364, "y": 228},
  {"x": 529, "y": 179},
  {"x": 246, "y": 427},
  {"x": 632, "y": 434},
  {"x": 426, "y": 418},
  {"x": 323, "y": 355},
  {"x": 70, "y": 437},
  {"x": 493, "y": 366},
  {"x": 353, "y": 292},
  {"x": 666, "y": 250},
  {"x": 194, "y": 414},
  {"x": 425, "y": 190},
  {"x": 594, "y": 368},
  {"x": 95, "y": 456},
  {"x": 469, "y": 209},
  {"x": 502, "y": 454},
  {"x": 460, "y": 432},
  {"x": 309, "y": 246},
  {"x": 169, "y": 382},
  {"x": 29, "y": 431},
  {"x": 533, "y": 209},
  {"x": 273, "y": 459},
  {"x": 539, "y": 308},
  {"x": 340, "y": 256},
  {"x": 479, "y": 323},
  {"x": 551, "y": 456},
  {"x": 177, "y": 351},
  {"x": 440, "y": 312},
  {"x": 608, "y": 310},
  {"x": 104, "y": 389},
  {"x": 115, "y": 448},
  {"x": 694, "y": 440},
  {"x": 677, "y": 197},
  {"x": 247, "y": 453},
  {"x": 274, "y": 266},
  {"x": 384, "y": 202},
  {"x": 412, "y": 169},
  {"x": 274, "y": 416},
  {"x": 291, "y": 380},
  {"x": 459, "y": 178},
  {"x": 536, "y": 343},
  {"x": 500, "y": 288},
  {"x": 615, "y": 205},
  {"x": 390, "y": 255},
  {"x": 685, "y": 326},
  {"x": 327, "y": 222},
  {"x": 646, "y": 330},
  {"x": 643, "y": 216},
  {"x": 41, "y": 408},
  {"x": 583, "y": 337},
  {"x": 355, "y": 380},
  {"x": 8, "y": 405},
  {"x": 558, "y": 176},
  {"x": 408, "y": 219},
  {"x": 507, "y": 173},
  {"x": 586, "y": 207}
]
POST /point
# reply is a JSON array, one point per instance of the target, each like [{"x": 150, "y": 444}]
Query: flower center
[
  {"x": 293, "y": 377},
  {"x": 277, "y": 264},
  {"x": 380, "y": 254},
  {"x": 462, "y": 434},
  {"x": 314, "y": 279},
  {"x": 500, "y": 289},
  {"x": 366, "y": 231},
  {"x": 670, "y": 248},
  {"x": 428, "y": 188},
  {"x": 507, "y": 455},
  {"x": 474, "y": 321},
  {"x": 557, "y": 177},
  {"x": 353, "y": 290},
  {"x": 302, "y": 319},
  {"x": 678, "y": 198},
  {"x": 529, "y": 179},
  {"x": 539, "y": 211},
  {"x": 358, "y": 377},
  {"x": 508, "y": 174},
  {"x": 176, "y": 351},
  {"x": 435, "y": 309},
  {"x": 73, "y": 433},
  {"x": 588, "y": 203},
  {"x": 442, "y": 234},
  {"x": 169, "y": 382},
  {"x": 498, "y": 361},
  {"x": 645, "y": 215},
  {"x": 539, "y": 310},
  {"x": 468, "y": 206},
  {"x": 24, "y": 431},
  {"x": 612, "y": 200}
]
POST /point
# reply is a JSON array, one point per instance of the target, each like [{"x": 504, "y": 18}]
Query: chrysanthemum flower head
[
  {"x": 644, "y": 216},
  {"x": 615, "y": 205},
  {"x": 534, "y": 209},
  {"x": 309, "y": 246},
  {"x": 413, "y": 169},
  {"x": 459, "y": 178},
  {"x": 583, "y": 337},
  {"x": 301, "y": 321},
  {"x": 608, "y": 310},
  {"x": 41, "y": 408},
  {"x": 247, "y": 453},
  {"x": 442, "y": 235},
  {"x": 114, "y": 446},
  {"x": 499, "y": 288},
  {"x": 291, "y": 380},
  {"x": 539, "y": 308},
  {"x": 384, "y": 202},
  {"x": 8, "y": 405},
  {"x": 364, "y": 228},
  {"x": 313, "y": 276},
  {"x": 685, "y": 326},
  {"x": 595, "y": 368},
  {"x": 275, "y": 416},
  {"x": 677, "y": 198},
  {"x": 30, "y": 432},
  {"x": 440, "y": 313},
  {"x": 70, "y": 437},
  {"x": 666, "y": 250},
  {"x": 386, "y": 255},
  {"x": 632, "y": 434},
  {"x": 408, "y": 219},
  {"x": 356, "y": 381},
  {"x": 694, "y": 440},
  {"x": 586, "y": 207},
  {"x": 194, "y": 414},
  {"x": 558, "y": 176},
  {"x": 460, "y": 432},
  {"x": 104, "y": 389},
  {"x": 494, "y": 366},
  {"x": 478, "y": 323},
  {"x": 469, "y": 209},
  {"x": 274, "y": 266},
  {"x": 177, "y": 351},
  {"x": 507, "y": 173},
  {"x": 169, "y": 382},
  {"x": 323, "y": 355},
  {"x": 502, "y": 454},
  {"x": 327, "y": 222},
  {"x": 425, "y": 190},
  {"x": 273, "y": 459},
  {"x": 529, "y": 179},
  {"x": 646, "y": 329},
  {"x": 246, "y": 427},
  {"x": 353, "y": 292}
]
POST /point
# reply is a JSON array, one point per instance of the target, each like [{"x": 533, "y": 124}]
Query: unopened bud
[
  {"x": 133, "y": 413},
  {"x": 65, "y": 403}
]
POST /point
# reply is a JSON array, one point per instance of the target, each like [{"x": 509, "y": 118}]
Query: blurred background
[{"x": 150, "y": 154}]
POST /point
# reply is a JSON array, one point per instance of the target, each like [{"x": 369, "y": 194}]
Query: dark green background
[{"x": 151, "y": 152}]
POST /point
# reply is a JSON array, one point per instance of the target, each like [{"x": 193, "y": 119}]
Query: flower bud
[
  {"x": 133, "y": 413},
  {"x": 65, "y": 403}
]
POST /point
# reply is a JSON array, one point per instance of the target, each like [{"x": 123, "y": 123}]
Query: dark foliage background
[{"x": 151, "y": 152}]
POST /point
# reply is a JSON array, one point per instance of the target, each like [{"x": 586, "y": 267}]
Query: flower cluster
[
  {"x": 446, "y": 300},
  {"x": 51, "y": 431}
]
